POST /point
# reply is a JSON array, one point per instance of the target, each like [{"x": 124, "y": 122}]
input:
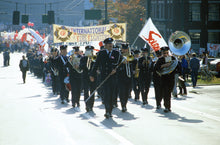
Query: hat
[
  {"x": 76, "y": 48},
  {"x": 62, "y": 47},
  {"x": 158, "y": 52},
  {"x": 144, "y": 49},
  {"x": 89, "y": 47},
  {"x": 108, "y": 40},
  {"x": 54, "y": 50},
  {"x": 165, "y": 48},
  {"x": 136, "y": 51},
  {"x": 124, "y": 46}
]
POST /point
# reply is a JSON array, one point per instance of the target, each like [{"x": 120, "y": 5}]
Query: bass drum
[{"x": 67, "y": 83}]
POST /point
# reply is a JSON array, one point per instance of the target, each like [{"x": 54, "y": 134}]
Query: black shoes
[
  {"x": 167, "y": 110},
  {"x": 124, "y": 109},
  {"x": 108, "y": 115},
  {"x": 145, "y": 102},
  {"x": 89, "y": 110},
  {"x": 62, "y": 102},
  {"x": 159, "y": 106}
]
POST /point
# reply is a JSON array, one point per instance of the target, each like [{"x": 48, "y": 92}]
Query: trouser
[
  {"x": 144, "y": 88},
  {"x": 108, "y": 88},
  {"x": 194, "y": 75},
  {"x": 116, "y": 93},
  {"x": 174, "y": 92},
  {"x": 64, "y": 93},
  {"x": 167, "y": 87},
  {"x": 24, "y": 75},
  {"x": 157, "y": 90},
  {"x": 136, "y": 88},
  {"x": 89, "y": 86},
  {"x": 124, "y": 91},
  {"x": 75, "y": 90},
  {"x": 55, "y": 84}
]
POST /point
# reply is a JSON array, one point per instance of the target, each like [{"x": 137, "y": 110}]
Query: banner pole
[{"x": 134, "y": 42}]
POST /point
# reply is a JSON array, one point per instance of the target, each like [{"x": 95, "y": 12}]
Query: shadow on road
[
  {"x": 110, "y": 123},
  {"x": 174, "y": 116}
]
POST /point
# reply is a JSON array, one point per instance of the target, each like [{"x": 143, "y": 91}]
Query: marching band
[{"x": 111, "y": 74}]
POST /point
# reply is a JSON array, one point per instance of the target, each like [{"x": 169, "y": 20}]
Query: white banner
[{"x": 151, "y": 35}]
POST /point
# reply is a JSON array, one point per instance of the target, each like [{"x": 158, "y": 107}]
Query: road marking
[
  {"x": 121, "y": 139},
  {"x": 216, "y": 118}
]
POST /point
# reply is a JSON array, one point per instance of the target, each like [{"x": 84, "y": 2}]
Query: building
[
  {"x": 66, "y": 12},
  {"x": 198, "y": 18}
]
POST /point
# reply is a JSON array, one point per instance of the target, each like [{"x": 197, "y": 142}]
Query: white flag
[{"x": 152, "y": 36}]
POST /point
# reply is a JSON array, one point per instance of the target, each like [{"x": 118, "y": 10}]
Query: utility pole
[{"x": 106, "y": 12}]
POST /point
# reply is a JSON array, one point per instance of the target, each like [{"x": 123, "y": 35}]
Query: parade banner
[
  {"x": 151, "y": 35},
  {"x": 213, "y": 49},
  {"x": 86, "y": 34}
]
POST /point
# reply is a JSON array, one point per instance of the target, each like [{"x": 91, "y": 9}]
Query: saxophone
[{"x": 137, "y": 70}]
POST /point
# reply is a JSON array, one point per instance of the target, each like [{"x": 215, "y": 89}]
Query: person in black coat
[
  {"x": 136, "y": 70},
  {"x": 63, "y": 72},
  {"x": 106, "y": 61},
  {"x": 86, "y": 63},
  {"x": 54, "y": 72},
  {"x": 124, "y": 78},
  {"x": 75, "y": 76},
  {"x": 157, "y": 81},
  {"x": 167, "y": 80},
  {"x": 24, "y": 66},
  {"x": 145, "y": 75}
]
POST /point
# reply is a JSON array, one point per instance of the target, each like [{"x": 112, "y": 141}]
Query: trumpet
[
  {"x": 75, "y": 61},
  {"x": 90, "y": 60}
]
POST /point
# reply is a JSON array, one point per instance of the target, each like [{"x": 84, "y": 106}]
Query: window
[
  {"x": 195, "y": 37},
  {"x": 194, "y": 12},
  {"x": 214, "y": 37},
  {"x": 213, "y": 14}
]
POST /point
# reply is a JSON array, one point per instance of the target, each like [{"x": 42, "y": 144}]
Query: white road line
[
  {"x": 121, "y": 139},
  {"x": 216, "y": 118}
]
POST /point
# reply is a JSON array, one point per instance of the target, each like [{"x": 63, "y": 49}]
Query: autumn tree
[{"x": 132, "y": 12}]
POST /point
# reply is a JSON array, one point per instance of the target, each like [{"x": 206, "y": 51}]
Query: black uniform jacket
[
  {"x": 160, "y": 62},
  {"x": 106, "y": 63}
]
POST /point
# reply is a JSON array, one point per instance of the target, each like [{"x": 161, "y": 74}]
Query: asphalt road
[{"x": 31, "y": 114}]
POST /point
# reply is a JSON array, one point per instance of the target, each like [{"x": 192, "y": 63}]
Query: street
[{"x": 32, "y": 115}]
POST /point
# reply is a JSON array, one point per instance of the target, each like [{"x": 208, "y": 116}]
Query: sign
[
  {"x": 151, "y": 35},
  {"x": 213, "y": 49},
  {"x": 86, "y": 34}
]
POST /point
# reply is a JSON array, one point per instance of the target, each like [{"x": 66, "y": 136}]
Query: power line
[{"x": 8, "y": 1}]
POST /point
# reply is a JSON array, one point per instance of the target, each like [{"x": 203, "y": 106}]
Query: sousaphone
[{"x": 179, "y": 44}]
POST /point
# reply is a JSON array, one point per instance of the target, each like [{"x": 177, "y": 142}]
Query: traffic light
[
  {"x": 24, "y": 19},
  {"x": 93, "y": 14},
  {"x": 16, "y": 17},
  {"x": 44, "y": 18},
  {"x": 51, "y": 17}
]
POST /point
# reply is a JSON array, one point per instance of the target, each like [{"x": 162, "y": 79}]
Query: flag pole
[{"x": 134, "y": 41}]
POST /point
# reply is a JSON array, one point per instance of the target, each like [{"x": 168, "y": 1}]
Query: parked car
[{"x": 214, "y": 66}]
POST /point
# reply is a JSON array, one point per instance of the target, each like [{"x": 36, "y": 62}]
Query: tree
[{"x": 132, "y": 12}]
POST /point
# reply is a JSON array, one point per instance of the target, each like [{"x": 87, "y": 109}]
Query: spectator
[{"x": 194, "y": 66}]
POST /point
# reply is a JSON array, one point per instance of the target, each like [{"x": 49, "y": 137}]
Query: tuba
[{"x": 179, "y": 44}]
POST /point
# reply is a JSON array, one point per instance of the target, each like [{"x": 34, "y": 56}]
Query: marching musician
[
  {"x": 75, "y": 76},
  {"x": 124, "y": 77},
  {"x": 86, "y": 63},
  {"x": 157, "y": 81},
  {"x": 167, "y": 80},
  {"x": 107, "y": 60},
  {"x": 136, "y": 85},
  {"x": 145, "y": 74},
  {"x": 54, "y": 71},
  {"x": 63, "y": 71}
]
